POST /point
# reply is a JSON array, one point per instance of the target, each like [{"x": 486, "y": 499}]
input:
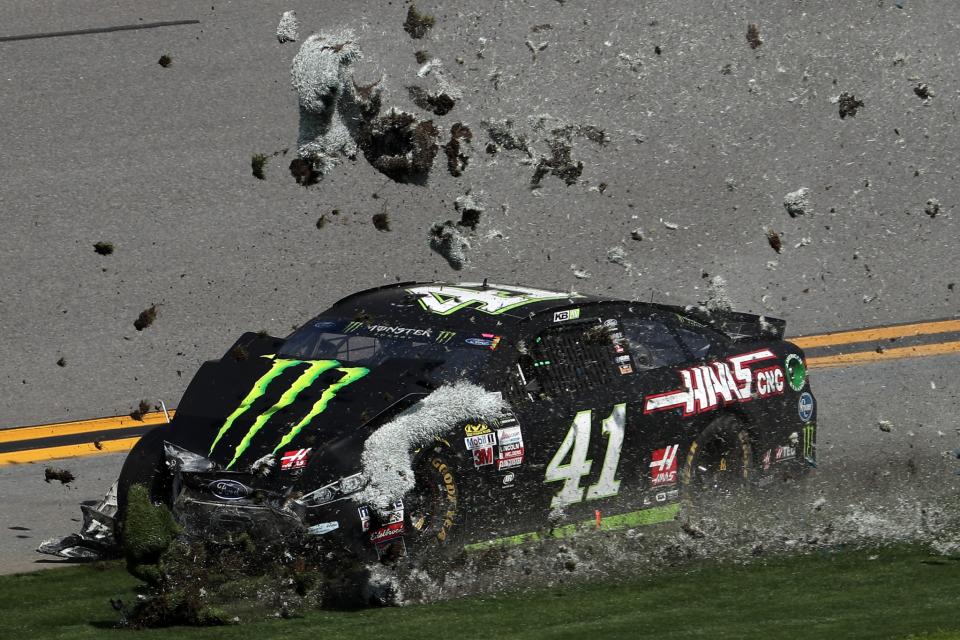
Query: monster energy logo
[
  {"x": 403, "y": 332},
  {"x": 444, "y": 337},
  {"x": 352, "y": 326},
  {"x": 313, "y": 371},
  {"x": 808, "y": 436}
]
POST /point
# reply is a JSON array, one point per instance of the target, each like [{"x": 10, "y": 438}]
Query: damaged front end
[{"x": 97, "y": 538}]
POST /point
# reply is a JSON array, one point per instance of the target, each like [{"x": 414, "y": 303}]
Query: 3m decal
[
  {"x": 575, "y": 445},
  {"x": 492, "y": 299},
  {"x": 708, "y": 386},
  {"x": 294, "y": 459},
  {"x": 315, "y": 368},
  {"x": 483, "y": 456},
  {"x": 569, "y": 314},
  {"x": 663, "y": 466},
  {"x": 805, "y": 406}
]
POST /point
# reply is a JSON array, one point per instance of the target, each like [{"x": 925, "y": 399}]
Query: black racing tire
[
  {"x": 720, "y": 460},
  {"x": 146, "y": 465},
  {"x": 432, "y": 510}
]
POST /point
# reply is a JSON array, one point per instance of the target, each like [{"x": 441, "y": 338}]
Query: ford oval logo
[{"x": 229, "y": 489}]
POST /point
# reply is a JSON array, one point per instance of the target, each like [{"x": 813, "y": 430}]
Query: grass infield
[{"x": 890, "y": 593}]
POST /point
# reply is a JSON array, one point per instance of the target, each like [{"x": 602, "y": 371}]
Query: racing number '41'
[{"x": 575, "y": 444}]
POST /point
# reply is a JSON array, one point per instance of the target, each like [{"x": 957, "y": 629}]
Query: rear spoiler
[{"x": 733, "y": 324}]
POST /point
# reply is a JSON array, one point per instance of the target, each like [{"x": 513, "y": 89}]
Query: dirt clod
[
  {"x": 303, "y": 172},
  {"x": 559, "y": 163},
  {"x": 381, "y": 221},
  {"x": 165, "y": 61},
  {"x": 401, "y": 146},
  {"x": 848, "y": 105},
  {"x": 437, "y": 102},
  {"x": 470, "y": 207},
  {"x": 753, "y": 36},
  {"x": 457, "y": 159},
  {"x": 142, "y": 409},
  {"x": 932, "y": 208},
  {"x": 417, "y": 24},
  {"x": 258, "y": 163},
  {"x": 774, "y": 239},
  {"x": 447, "y": 240},
  {"x": 797, "y": 203},
  {"x": 923, "y": 91},
  {"x": 62, "y": 362},
  {"x": 146, "y": 318},
  {"x": 103, "y": 248},
  {"x": 65, "y": 476}
]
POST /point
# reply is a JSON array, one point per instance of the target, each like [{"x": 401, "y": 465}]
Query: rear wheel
[{"x": 720, "y": 460}]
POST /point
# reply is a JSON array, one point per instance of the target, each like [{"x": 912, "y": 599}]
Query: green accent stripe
[
  {"x": 259, "y": 388},
  {"x": 351, "y": 374},
  {"x": 654, "y": 515},
  {"x": 307, "y": 378}
]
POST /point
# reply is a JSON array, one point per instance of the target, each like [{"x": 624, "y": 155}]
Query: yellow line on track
[
  {"x": 66, "y": 451},
  {"x": 81, "y": 426},
  {"x": 877, "y": 333},
  {"x": 866, "y": 357}
]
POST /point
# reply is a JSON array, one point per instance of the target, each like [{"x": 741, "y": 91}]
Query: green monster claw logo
[
  {"x": 313, "y": 371},
  {"x": 808, "y": 435},
  {"x": 796, "y": 372}
]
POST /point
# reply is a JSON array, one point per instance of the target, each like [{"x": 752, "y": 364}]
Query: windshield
[{"x": 446, "y": 356}]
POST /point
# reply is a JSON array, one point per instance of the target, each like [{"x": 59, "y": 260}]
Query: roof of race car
[{"x": 472, "y": 302}]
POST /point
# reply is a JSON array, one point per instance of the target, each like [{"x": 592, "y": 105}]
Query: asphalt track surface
[{"x": 102, "y": 143}]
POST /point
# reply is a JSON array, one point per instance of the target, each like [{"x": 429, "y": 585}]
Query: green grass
[{"x": 904, "y": 593}]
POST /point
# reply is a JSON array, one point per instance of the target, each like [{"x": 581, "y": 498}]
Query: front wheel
[
  {"x": 433, "y": 508},
  {"x": 720, "y": 460}
]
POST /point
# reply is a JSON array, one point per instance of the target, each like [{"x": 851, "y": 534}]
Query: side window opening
[
  {"x": 651, "y": 343},
  {"x": 697, "y": 343},
  {"x": 567, "y": 359}
]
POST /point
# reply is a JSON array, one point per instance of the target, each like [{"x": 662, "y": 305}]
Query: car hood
[{"x": 253, "y": 404}]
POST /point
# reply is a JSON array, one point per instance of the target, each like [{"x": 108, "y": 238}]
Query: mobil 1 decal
[
  {"x": 708, "y": 386},
  {"x": 501, "y": 447}
]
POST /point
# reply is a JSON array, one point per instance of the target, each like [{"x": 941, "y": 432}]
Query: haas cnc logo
[{"x": 663, "y": 466}]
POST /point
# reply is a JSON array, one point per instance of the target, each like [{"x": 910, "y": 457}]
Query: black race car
[{"x": 419, "y": 416}]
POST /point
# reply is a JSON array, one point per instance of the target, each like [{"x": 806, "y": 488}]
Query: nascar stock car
[{"x": 429, "y": 416}]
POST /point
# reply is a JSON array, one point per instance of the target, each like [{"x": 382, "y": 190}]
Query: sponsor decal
[
  {"x": 324, "y": 324},
  {"x": 508, "y": 479},
  {"x": 796, "y": 372},
  {"x": 400, "y": 332},
  {"x": 386, "y": 534},
  {"x": 450, "y": 486},
  {"x": 364, "y": 513},
  {"x": 477, "y": 429},
  {"x": 296, "y": 459},
  {"x": 511, "y": 456},
  {"x": 805, "y": 406},
  {"x": 483, "y": 456},
  {"x": 510, "y": 435},
  {"x": 443, "y": 337},
  {"x": 663, "y": 466},
  {"x": 620, "y": 359},
  {"x": 479, "y": 342},
  {"x": 661, "y": 496},
  {"x": 809, "y": 439},
  {"x": 478, "y": 442},
  {"x": 229, "y": 489},
  {"x": 492, "y": 299},
  {"x": 625, "y": 369},
  {"x": 569, "y": 314},
  {"x": 314, "y": 369},
  {"x": 708, "y": 386},
  {"x": 766, "y": 460},
  {"x": 785, "y": 453},
  {"x": 322, "y": 528}
]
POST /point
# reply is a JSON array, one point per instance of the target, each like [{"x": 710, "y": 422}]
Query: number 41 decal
[{"x": 575, "y": 444}]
